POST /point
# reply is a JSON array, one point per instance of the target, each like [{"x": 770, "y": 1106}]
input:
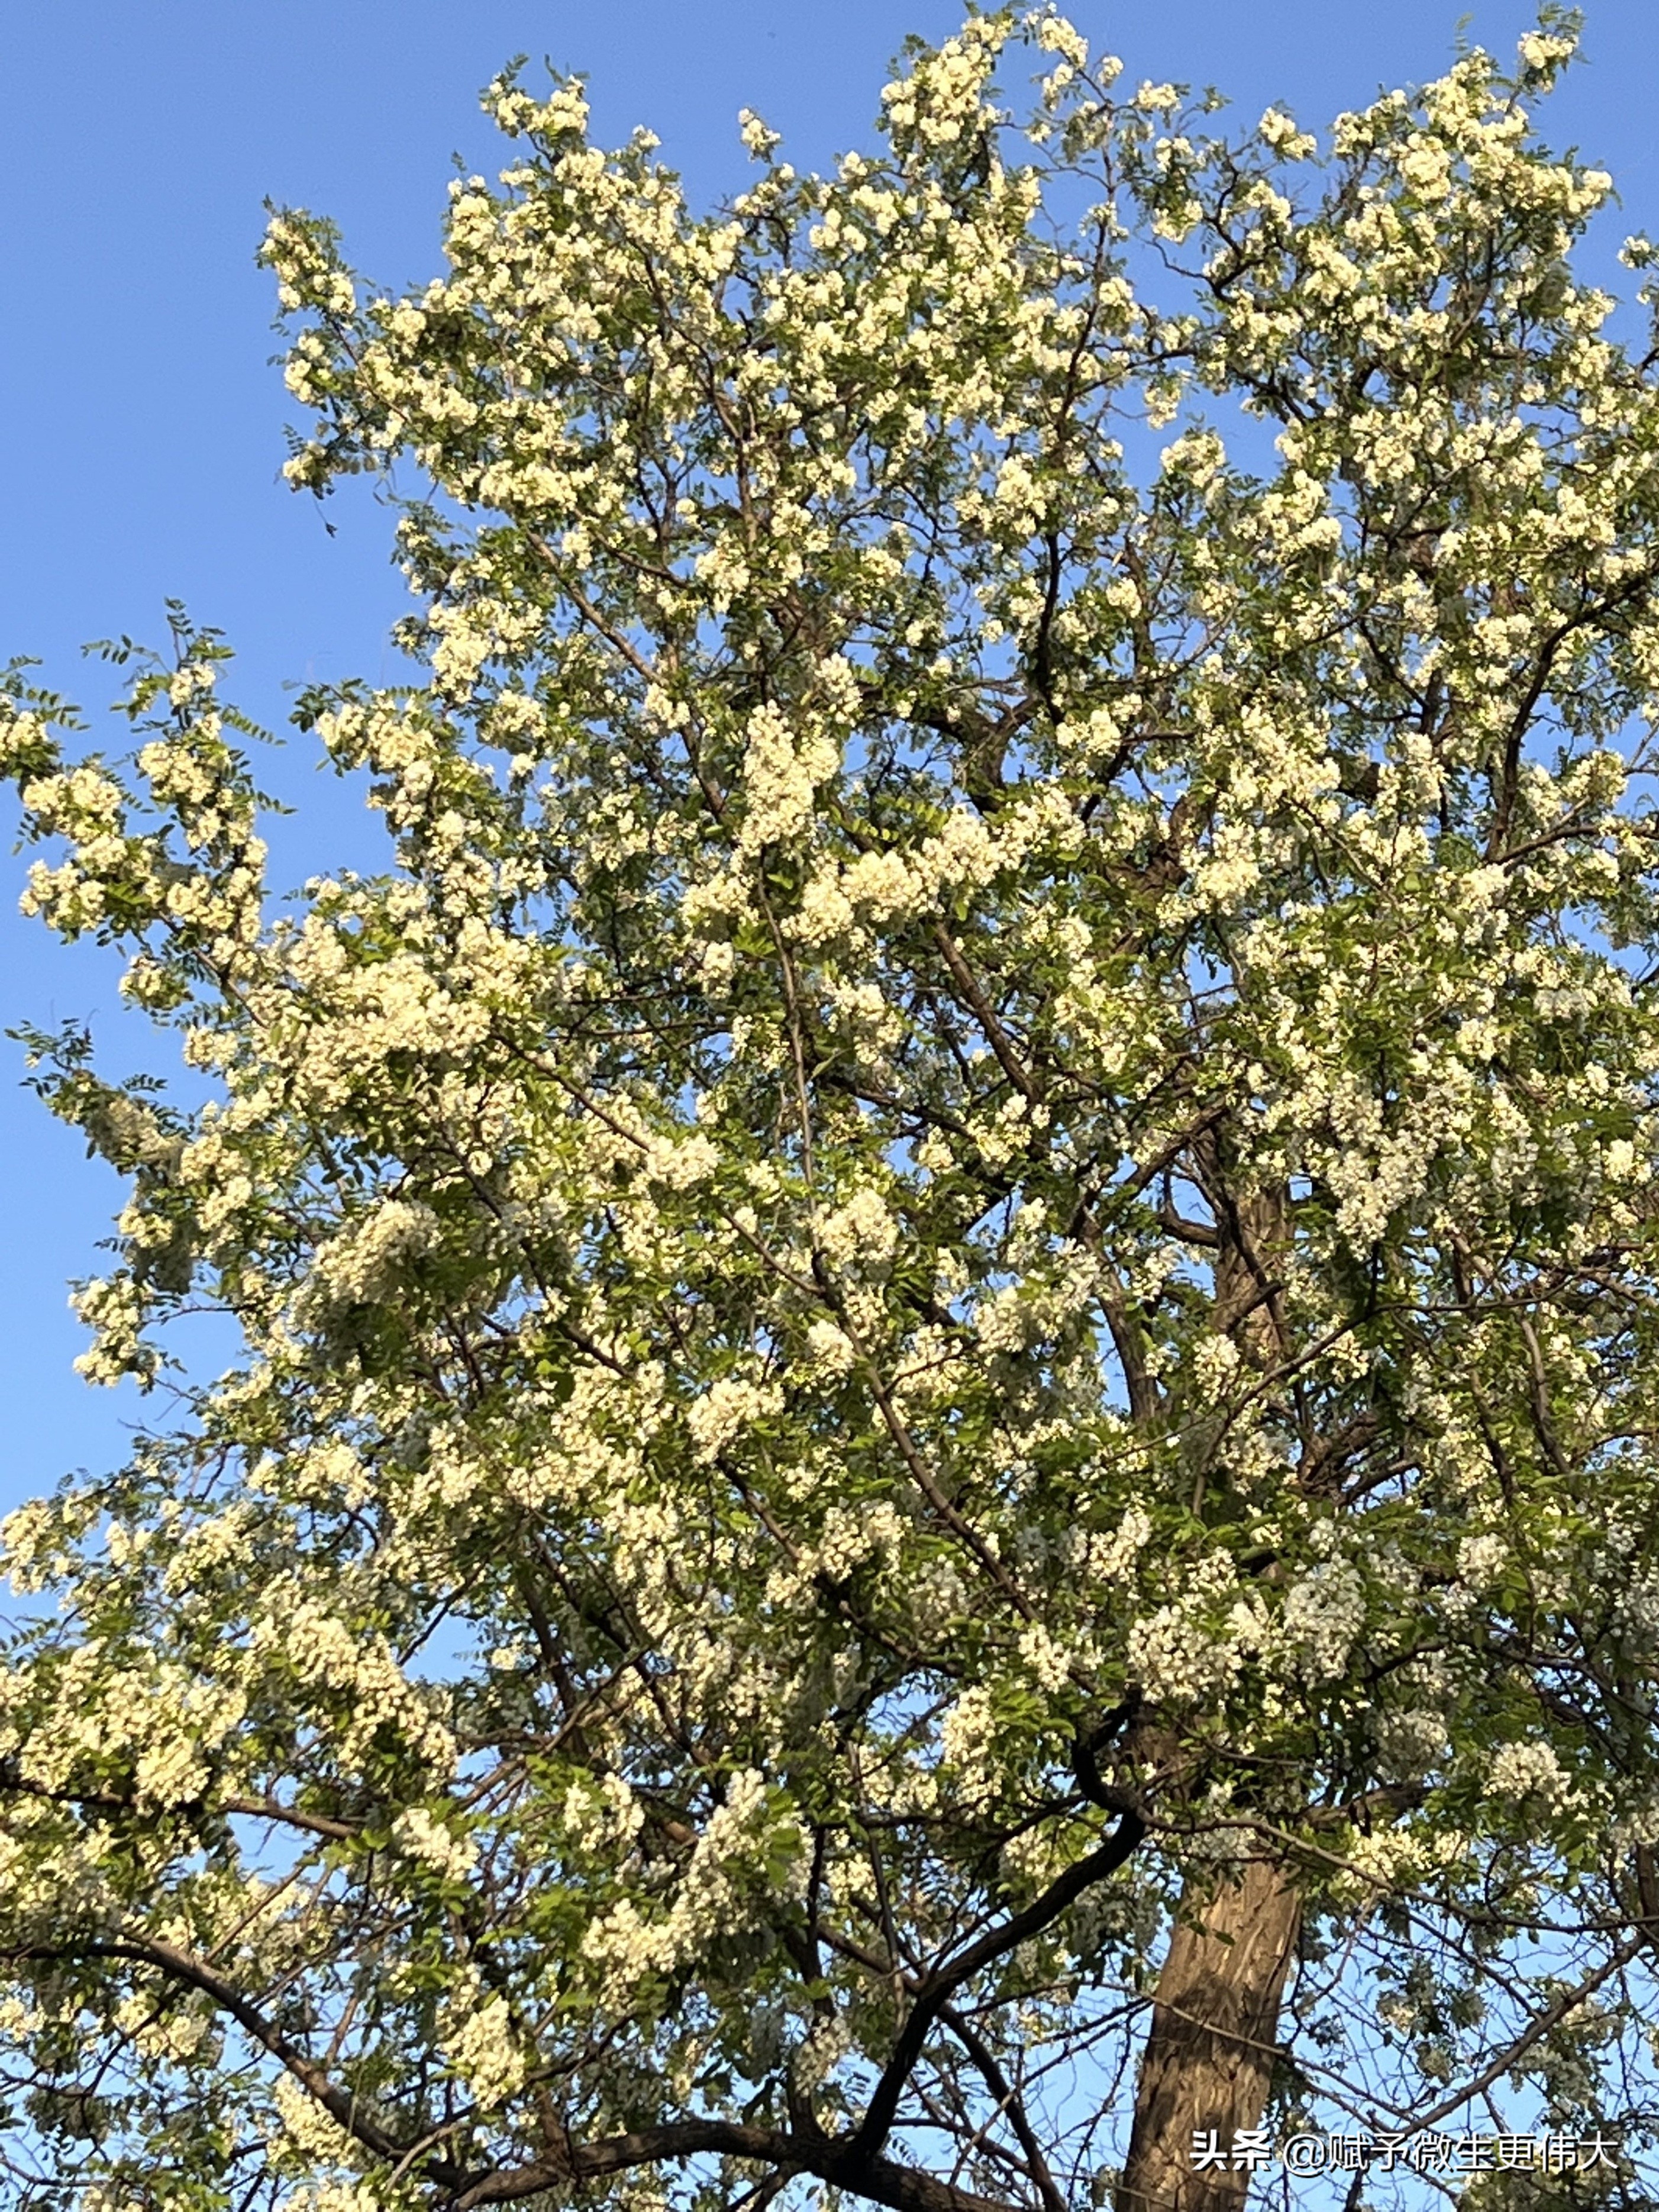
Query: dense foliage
[{"x": 964, "y": 1247}]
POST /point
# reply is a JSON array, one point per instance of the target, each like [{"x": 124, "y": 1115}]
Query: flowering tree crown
[{"x": 964, "y": 1240}]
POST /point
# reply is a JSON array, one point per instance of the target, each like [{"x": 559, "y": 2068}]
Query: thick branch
[
  {"x": 879, "y": 2180},
  {"x": 996, "y": 1037},
  {"x": 842, "y": 2163},
  {"x": 936, "y": 1989}
]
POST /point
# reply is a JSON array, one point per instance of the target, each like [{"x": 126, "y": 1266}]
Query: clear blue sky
[{"x": 141, "y": 421}]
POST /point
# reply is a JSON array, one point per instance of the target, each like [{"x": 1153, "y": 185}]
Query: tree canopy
[{"x": 945, "y": 1460}]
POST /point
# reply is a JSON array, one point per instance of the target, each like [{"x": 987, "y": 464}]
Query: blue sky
[{"x": 141, "y": 422}]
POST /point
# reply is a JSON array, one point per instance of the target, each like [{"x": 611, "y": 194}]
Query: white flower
[
  {"x": 728, "y": 1409},
  {"x": 422, "y": 1837},
  {"x": 1278, "y": 130},
  {"x": 1530, "y": 1769},
  {"x": 761, "y": 142},
  {"x": 485, "y": 2050},
  {"x": 861, "y": 1233},
  {"x": 783, "y": 769},
  {"x": 1324, "y": 1613}
]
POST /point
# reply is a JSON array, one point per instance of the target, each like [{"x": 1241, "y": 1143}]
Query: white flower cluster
[
  {"x": 367, "y": 1259},
  {"x": 481, "y": 2043},
  {"x": 726, "y": 1884},
  {"x": 1530, "y": 1770},
  {"x": 431, "y": 1843},
  {"x": 1323, "y": 1617}
]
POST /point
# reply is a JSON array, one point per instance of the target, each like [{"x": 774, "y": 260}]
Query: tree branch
[
  {"x": 1009, "y": 2101},
  {"x": 937, "y": 1987},
  {"x": 880, "y": 2181}
]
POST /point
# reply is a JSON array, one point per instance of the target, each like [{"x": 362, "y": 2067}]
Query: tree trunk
[{"x": 1209, "y": 2057}]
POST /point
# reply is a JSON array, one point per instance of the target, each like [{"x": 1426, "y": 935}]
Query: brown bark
[
  {"x": 1207, "y": 2064},
  {"x": 1209, "y": 2057}
]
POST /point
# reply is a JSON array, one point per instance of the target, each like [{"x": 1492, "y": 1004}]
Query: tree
[{"x": 946, "y": 1461}]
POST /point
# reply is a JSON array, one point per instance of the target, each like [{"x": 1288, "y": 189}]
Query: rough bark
[
  {"x": 1208, "y": 2063},
  {"x": 1209, "y": 2057}
]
